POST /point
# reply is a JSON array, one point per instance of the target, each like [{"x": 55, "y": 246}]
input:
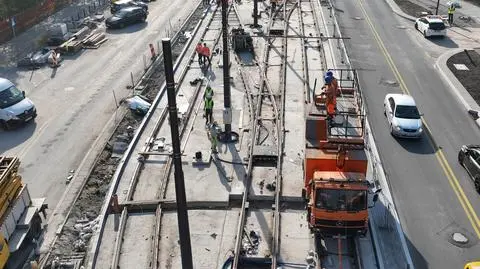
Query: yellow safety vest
[
  {"x": 209, "y": 93},
  {"x": 451, "y": 10},
  {"x": 209, "y": 103}
]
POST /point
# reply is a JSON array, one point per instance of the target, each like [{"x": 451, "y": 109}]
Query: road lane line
[{"x": 453, "y": 180}]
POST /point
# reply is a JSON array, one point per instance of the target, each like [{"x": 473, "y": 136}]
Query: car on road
[
  {"x": 469, "y": 158},
  {"x": 431, "y": 25},
  {"x": 402, "y": 115},
  {"x": 126, "y": 16},
  {"x": 15, "y": 108},
  {"x": 121, "y": 4}
]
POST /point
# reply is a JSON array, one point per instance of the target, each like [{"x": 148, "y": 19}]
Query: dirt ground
[{"x": 470, "y": 79}]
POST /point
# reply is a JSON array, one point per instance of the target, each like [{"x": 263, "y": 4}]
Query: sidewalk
[{"x": 35, "y": 37}]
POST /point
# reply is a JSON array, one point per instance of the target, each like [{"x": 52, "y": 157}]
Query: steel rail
[
  {"x": 127, "y": 156},
  {"x": 168, "y": 166},
  {"x": 266, "y": 91}
]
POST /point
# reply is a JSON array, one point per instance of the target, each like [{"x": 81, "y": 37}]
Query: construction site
[{"x": 280, "y": 178}]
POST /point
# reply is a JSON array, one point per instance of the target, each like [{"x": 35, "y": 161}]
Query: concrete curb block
[
  {"x": 386, "y": 191},
  {"x": 454, "y": 84},
  {"x": 396, "y": 9}
]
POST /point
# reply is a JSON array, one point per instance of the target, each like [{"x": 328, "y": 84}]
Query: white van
[{"x": 15, "y": 108}]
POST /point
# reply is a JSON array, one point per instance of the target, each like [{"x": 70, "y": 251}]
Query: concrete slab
[
  {"x": 295, "y": 239},
  {"x": 259, "y": 222},
  {"x": 211, "y": 242},
  {"x": 136, "y": 251}
]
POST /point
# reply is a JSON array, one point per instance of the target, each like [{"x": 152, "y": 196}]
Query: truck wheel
[
  {"x": 425, "y": 34},
  {"x": 416, "y": 26}
]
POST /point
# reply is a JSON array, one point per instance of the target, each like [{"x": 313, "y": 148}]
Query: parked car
[
  {"x": 469, "y": 158},
  {"x": 36, "y": 59},
  {"x": 126, "y": 16},
  {"x": 120, "y": 4},
  {"x": 15, "y": 108},
  {"x": 402, "y": 116},
  {"x": 431, "y": 25}
]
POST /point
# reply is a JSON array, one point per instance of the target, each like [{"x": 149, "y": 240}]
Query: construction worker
[
  {"x": 208, "y": 93},
  {"x": 451, "y": 10},
  {"x": 208, "y": 110},
  {"x": 212, "y": 135},
  {"x": 199, "y": 50},
  {"x": 206, "y": 54},
  {"x": 330, "y": 93},
  {"x": 53, "y": 58}
]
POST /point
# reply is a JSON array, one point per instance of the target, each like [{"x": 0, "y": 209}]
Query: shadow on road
[
  {"x": 445, "y": 42},
  {"x": 418, "y": 146},
  {"x": 390, "y": 242},
  {"x": 127, "y": 30},
  {"x": 12, "y": 138}
]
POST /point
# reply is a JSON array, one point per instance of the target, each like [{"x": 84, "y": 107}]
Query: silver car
[{"x": 403, "y": 116}]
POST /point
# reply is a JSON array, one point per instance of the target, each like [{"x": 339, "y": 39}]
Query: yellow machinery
[{"x": 20, "y": 221}]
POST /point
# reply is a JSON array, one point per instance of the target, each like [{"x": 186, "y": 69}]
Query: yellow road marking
[{"x": 452, "y": 179}]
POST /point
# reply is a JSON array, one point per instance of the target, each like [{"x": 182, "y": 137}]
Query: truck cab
[{"x": 15, "y": 108}]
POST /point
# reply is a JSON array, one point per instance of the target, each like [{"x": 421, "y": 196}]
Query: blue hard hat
[
  {"x": 328, "y": 79},
  {"x": 329, "y": 74}
]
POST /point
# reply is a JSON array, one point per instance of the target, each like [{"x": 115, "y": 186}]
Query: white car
[
  {"x": 403, "y": 116},
  {"x": 431, "y": 25}
]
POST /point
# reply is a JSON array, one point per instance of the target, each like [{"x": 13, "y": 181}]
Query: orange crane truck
[
  {"x": 335, "y": 164},
  {"x": 20, "y": 221}
]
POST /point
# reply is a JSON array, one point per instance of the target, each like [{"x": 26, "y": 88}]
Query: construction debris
[
  {"x": 138, "y": 105},
  {"x": 94, "y": 40},
  {"x": 85, "y": 232}
]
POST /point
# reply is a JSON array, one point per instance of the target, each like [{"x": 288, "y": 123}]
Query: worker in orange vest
[
  {"x": 199, "y": 50},
  {"x": 206, "y": 54},
  {"x": 330, "y": 94}
]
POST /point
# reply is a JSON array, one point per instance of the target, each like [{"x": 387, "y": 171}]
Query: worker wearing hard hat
[
  {"x": 330, "y": 92},
  {"x": 208, "y": 109},
  {"x": 451, "y": 10},
  {"x": 208, "y": 93}
]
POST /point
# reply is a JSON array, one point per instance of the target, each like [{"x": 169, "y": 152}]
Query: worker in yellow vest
[
  {"x": 208, "y": 110},
  {"x": 451, "y": 10},
  {"x": 208, "y": 93}
]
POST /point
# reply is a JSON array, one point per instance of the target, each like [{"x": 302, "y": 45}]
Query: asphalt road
[
  {"x": 429, "y": 208},
  {"x": 75, "y": 102}
]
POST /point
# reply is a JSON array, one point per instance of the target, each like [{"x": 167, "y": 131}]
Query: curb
[
  {"x": 454, "y": 84},
  {"x": 396, "y": 9}
]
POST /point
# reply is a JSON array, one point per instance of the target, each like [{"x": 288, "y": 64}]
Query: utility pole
[
  {"x": 227, "y": 136},
  {"x": 255, "y": 13},
  {"x": 436, "y": 10},
  {"x": 182, "y": 214},
  {"x": 226, "y": 71}
]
